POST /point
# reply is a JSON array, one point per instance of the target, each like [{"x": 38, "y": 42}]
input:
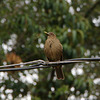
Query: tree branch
[{"x": 91, "y": 9}]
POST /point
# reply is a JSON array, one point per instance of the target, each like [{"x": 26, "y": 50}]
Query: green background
[{"x": 76, "y": 24}]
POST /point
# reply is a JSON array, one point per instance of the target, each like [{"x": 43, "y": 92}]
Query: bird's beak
[{"x": 46, "y": 33}]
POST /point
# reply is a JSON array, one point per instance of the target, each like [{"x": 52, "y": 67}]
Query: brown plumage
[{"x": 54, "y": 52}]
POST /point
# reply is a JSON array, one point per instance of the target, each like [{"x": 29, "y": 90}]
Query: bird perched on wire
[{"x": 54, "y": 52}]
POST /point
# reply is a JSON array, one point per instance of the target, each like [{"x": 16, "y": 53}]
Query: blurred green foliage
[{"x": 73, "y": 23}]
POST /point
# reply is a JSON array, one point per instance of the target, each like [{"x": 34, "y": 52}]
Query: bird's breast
[{"x": 53, "y": 49}]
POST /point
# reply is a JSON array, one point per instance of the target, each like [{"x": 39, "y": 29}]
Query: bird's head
[{"x": 50, "y": 34}]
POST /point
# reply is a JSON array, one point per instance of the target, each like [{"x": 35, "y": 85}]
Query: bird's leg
[{"x": 47, "y": 62}]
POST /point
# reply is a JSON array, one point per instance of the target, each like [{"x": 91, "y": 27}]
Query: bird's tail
[{"x": 59, "y": 72}]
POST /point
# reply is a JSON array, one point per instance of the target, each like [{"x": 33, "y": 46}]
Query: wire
[
  {"x": 23, "y": 68},
  {"x": 85, "y": 59},
  {"x": 25, "y": 63},
  {"x": 45, "y": 64}
]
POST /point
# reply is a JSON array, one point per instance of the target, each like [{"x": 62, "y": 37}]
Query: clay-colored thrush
[{"x": 54, "y": 52}]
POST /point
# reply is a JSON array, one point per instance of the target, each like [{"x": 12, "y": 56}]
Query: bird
[{"x": 54, "y": 52}]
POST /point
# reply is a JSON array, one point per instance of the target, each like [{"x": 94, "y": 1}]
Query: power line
[
  {"x": 45, "y": 64},
  {"x": 25, "y": 63},
  {"x": 24, "y": 68}
]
